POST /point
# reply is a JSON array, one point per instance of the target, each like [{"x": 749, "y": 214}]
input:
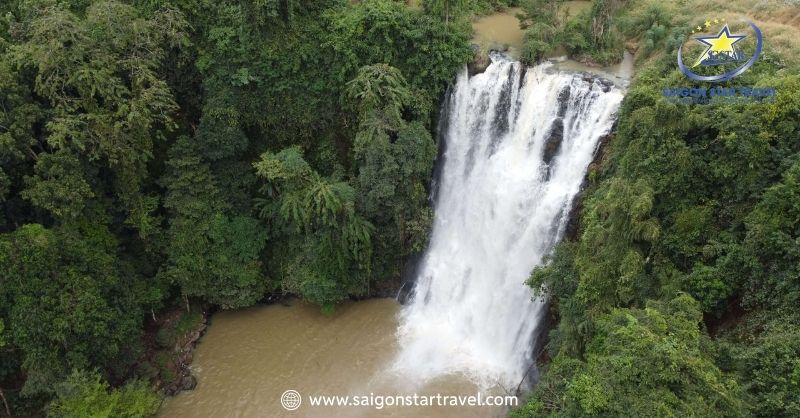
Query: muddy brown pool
[{"x": 249, "y": 358}]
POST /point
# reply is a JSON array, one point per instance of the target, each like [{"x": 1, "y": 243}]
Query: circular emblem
[
  {"x": 722, "y": 51},
  {"x": 291, "y": 400}
]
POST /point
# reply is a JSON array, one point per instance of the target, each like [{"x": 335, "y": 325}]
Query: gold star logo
[{"x": 721, "y": 43}]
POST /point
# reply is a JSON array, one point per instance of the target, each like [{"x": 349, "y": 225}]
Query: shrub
[{"x": 85, "y": 394}]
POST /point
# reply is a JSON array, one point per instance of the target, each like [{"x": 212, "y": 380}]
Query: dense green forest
[
  {"x": 678, "y": 295},
  {"x": 156, "y": 155}
]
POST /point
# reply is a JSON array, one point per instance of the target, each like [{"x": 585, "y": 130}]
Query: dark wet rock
[
  {"x": 563, "y": 101},
  {"x": 573, "y": 225},
  {"x": 478, "y": 65},
  {"x": 188, "y": 382},
  {"x": 605, "y": 84},
  {"x": 554, "y": 141},
  {"x": 480, "y": 61},
  {"x": 404, "y": 295},
  {"x": 177, "y": 376},
  {"x": 502, "y": 108}
]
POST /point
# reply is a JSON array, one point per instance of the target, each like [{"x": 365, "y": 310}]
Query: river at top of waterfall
[{"x": 517, "y": 144}]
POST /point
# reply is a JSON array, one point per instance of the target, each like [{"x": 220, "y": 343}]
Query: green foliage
[
  {"x": 539, "y": 39},
  {"x": 211, "y": 254},
  {"x": 360, "y": 37},
  {"x": 641, "y": 362},
  {"x": 169, "y": 334},
  {"x": 602, "y": 15},
  {"x": 59, "y": 185},
  {"x": 326, "y": 246},
  {"x": 765, "y": 352},
  {"x": 395, "y": 159},
  {"x": 613, "y": 246},
  {"x": 485, "y": 7},
  {"x": 656, "y": 24},
  {"x": 557, "y": 276},
  {"x": 98, "y": 73},
  {"x": 691, "y": 199},
  {"x": 392, "y": 194},
  {"x": 588, "y": 35},
  {"x": 639, "y": 20},
  {"x": 543, "y": 26},
  {"x": 771, "y": 244},
  {"x": 340, "y": 76},
  {"x": 446, "y": 9},
  {"x": 165, "y": 367},
  {"x": 85, "y": 394},
  {"x": 128, "y": 131},
  {"x": 575, "y": 37},
  {"x": 67, "y": 306},
  {"x": 708, "y": 285},
  {"x": 381, "y": 92}
]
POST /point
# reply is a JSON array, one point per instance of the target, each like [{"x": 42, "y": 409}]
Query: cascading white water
[{"x": 518, "y": 143}]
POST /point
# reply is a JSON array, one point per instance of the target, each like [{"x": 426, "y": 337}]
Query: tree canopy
[
  {"x": 675, "y": 296},
  {"x": 158, "y": 155}
]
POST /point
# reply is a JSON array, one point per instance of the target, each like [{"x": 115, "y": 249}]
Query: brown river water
[
  {"x": 249, "y": 357},
  {"x": 501, "y": 31}
]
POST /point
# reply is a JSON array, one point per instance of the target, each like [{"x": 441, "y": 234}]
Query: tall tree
[
  {"x": 395, "y": 159},
  {"x": 211, "y": 253},
  {"x": 380, "y": 92},
  {"x": 326, "y": 246},
  {"x": 444, "y": 8},
  {"x": 98, "y": 73}
]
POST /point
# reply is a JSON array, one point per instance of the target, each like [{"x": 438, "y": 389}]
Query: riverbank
[{"x": 169, "y": 340}]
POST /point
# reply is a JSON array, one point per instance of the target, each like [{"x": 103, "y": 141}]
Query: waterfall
[{"x": 517, "y": 143}]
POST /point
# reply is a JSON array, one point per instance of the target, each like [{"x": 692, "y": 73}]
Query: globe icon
[{"x": 291, "y": 400}]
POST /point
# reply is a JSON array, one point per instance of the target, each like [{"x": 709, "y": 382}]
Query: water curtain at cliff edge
[{"x": 518, "y": 143}]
